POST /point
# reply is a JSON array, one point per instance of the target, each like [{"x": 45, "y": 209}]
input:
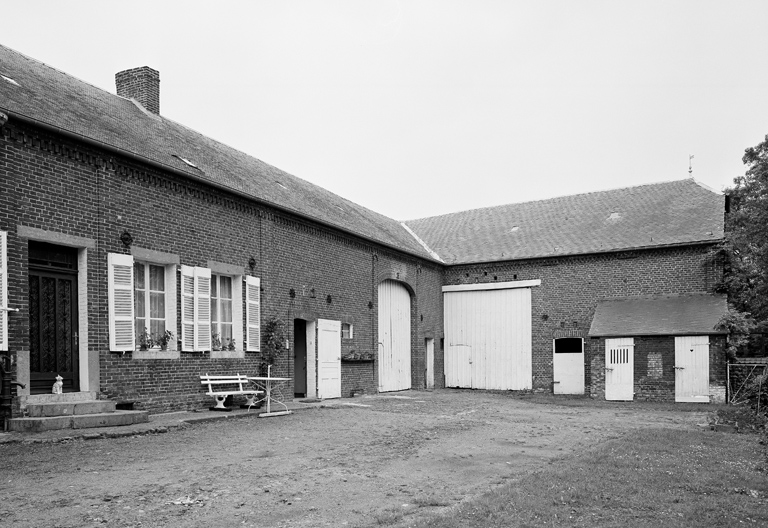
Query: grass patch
[{"x": 656, "y": 477}]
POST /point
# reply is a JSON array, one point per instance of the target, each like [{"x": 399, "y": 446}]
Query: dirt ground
[{"x": 353, "y": 462}]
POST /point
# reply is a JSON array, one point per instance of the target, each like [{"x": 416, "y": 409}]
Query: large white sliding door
[{"x": 488, "y": 335}]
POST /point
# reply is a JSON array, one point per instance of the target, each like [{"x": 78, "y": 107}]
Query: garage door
[
  {"x": 394, "y": 337},
  {"x": 488, "y": 335}
]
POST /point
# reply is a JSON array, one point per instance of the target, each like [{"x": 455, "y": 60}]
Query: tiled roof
[
  {"x": 54, "y": 98},
  {"x": 689, "y": 314},
  {"x": 661, "y": 214}
]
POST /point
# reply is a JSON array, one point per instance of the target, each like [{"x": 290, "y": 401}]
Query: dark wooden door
[{"x": 53, "y": 347}]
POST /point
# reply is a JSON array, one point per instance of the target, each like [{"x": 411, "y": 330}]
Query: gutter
[{"x": 173, "y": 170}]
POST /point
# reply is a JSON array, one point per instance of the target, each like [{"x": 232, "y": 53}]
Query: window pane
[
  {"x": 214, "y": 310},
  {"x": 214, "y": 285},
  {"x": 141, "y": 324},
  {"x": 140, "y": 304},
  {"x": 157, "y": 305},
  {"x": 226, "y": 288},
  {"x": 156, "y": 278},
  {"x": 138, "y": 275},
  {"x": 157, "y": 328},
  {"x": 226, "y": 311},
  {"x": 226, "y": 334}
]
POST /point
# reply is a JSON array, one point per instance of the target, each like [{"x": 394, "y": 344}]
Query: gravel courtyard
[{"x": 351, "y": 462}]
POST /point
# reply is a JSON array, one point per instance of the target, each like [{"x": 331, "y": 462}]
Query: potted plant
[
  {"x": 274, "y": 344},
  {"x": 145, "y": 340},
  {"x": 164, "y": 339},
  {"x": 216, "y": 341},
  {"x": 231, "y": 343}
]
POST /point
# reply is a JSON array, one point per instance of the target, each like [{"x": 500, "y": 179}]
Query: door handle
[
  {"x": 679, "y": 368},
  {"x": 607, "y": 368}
]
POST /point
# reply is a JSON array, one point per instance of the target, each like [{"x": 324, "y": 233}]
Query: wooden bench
[{"x": 222, "y": 386}]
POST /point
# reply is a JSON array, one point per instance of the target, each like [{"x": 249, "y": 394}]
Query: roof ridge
[{"x": 559, "y": 197}]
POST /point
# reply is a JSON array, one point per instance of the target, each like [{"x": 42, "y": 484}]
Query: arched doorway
[{"x": 394, "y": 337}]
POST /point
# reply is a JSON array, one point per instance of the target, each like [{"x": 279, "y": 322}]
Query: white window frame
[
  {"x": 4, "y": 291},
  {"x": 351, "y": 331},
  {"x": 121, "y": 318},
  {"x": 170, "y": 299},
  {"x": 237, "y": 316}
]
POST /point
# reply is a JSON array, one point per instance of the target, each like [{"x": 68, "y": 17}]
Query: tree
[{"x": 746, "y": 238}]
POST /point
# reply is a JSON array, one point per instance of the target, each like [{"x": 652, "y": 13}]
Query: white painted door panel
[
  {"x": 430, "y": 360},
  {"x": 394, "y": 337},
  {"x": 620, "y": 369},
  {"x": 568, "y": 369},
  {"x": 329, "y": 358},
  {"x": 692, "y": 369},
  {"x": 488, "y": 339}
]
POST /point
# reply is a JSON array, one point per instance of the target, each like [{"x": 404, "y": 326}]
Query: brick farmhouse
[{"x": 137, "y": 254}]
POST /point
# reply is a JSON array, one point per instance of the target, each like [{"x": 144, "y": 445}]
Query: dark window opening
[{"x": 568, "y": 345}]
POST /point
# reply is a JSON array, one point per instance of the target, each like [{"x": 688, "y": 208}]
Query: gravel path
[{"x": 352, "y": 462}]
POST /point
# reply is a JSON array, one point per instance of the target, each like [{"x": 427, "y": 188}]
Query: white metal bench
[{"x": 222, "y": 386}]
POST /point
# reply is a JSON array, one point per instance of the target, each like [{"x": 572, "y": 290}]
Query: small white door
[
  {"x": 568, "y": 365},
  {"x": 430, "y": 359},
  {"x": 329, "y": 358},
  {"x": 620, "y": 369},
  {"x": 692, "y": 369}
]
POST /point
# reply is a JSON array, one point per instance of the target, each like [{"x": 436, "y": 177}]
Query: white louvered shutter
[
  {"x": 187, "y": 308},
  {"x": 3, "y": 291},
  {"x": 203, "y": 308},
  {"x": 120, "y": 296},
  {"x": 253, "y": 313}
]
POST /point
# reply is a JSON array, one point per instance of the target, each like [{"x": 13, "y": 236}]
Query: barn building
[{"x": 137, "y": 254}]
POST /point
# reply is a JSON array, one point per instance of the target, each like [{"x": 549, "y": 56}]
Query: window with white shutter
[
  {"x": 3, "y": 291},
  {"x": 120, "y": 297},
  {"x": 195, "y": 308},
  {"x": 253, "y": 313}
]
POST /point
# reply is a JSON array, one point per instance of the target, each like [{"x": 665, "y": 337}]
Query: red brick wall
[
  {"x": 60, "y": 186},
  {"x": 654, "y": 368},
  {"x": 565, "y": 302}
]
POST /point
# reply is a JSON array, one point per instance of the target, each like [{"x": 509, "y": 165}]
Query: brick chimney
[{"x": 142, "y": 84}]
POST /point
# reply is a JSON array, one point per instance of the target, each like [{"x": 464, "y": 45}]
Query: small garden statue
[{"x": 58, "y": 387}]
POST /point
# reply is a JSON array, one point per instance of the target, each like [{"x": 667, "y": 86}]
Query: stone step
[
  {"x": 81, "y": 421},
  {"x": 46, "y": 410}
]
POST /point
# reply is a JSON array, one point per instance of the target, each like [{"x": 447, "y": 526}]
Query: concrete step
[
  {"x": 45, "y": 410},
  {"x": 82, "y": 421}
]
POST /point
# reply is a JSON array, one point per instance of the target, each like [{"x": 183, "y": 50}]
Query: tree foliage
[{"x": 746, "y": 244}]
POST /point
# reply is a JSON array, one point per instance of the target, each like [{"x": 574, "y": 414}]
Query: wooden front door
[{"x": 53, "y": 339}]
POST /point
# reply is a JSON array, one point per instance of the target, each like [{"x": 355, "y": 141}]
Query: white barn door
[
  {"x": 488, "y": 337},
  {"x": 620, "y": 369},
  {"x": 394, "y": 337},
  {"x": 692, "y": 369},
  {"x": 329, "y": 358}
]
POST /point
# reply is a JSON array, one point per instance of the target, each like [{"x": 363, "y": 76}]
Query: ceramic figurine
[{"x": 58, "y": 386}]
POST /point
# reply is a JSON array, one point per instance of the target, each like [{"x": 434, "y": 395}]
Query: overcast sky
[{"x": 424, "y": 107}]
